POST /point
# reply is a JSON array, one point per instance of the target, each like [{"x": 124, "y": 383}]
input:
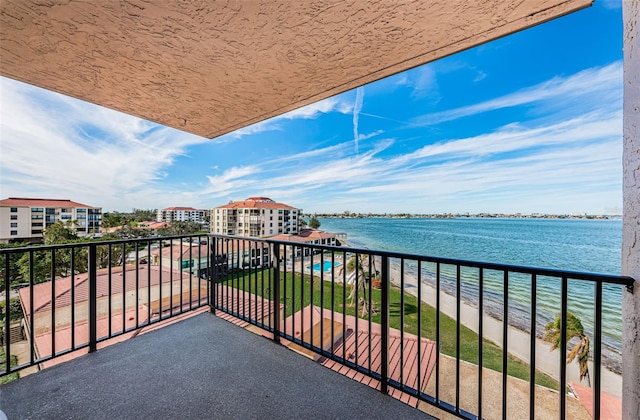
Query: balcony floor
[{"x": 200, "y": 368}]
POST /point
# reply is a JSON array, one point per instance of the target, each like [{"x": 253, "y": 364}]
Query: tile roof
[
  {"x": 61, "y": 288},
  {"x": 305, "y": 235},
  {"x": 256, "y": 203},
  {"x": 39, "y": 202}
]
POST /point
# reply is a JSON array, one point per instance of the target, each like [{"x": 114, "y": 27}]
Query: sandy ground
[{"x": 546, "y": 403}]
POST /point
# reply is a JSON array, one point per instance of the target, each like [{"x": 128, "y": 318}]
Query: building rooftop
[
  {"x": 305, "y": 235},
  {"x": 39, "y": 202},
  {"x": 258, "y": 203}
]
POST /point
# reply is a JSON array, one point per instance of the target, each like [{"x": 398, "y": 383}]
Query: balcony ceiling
[{"x": 212, "y": 67}]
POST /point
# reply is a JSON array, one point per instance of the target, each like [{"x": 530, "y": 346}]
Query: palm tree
[{"x": 574, "y": 329}]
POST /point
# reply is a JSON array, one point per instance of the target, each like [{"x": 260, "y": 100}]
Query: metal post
[
  {"x": 93, "y": 299},
  {"x": 384, "y": 321},
  {"x": 276, "y": 294},
  {"x": 213, "y": 275}
]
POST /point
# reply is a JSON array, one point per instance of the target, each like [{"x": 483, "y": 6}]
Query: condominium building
[
  {"x": 255, "y": 217},
  {"x": 182, "y": 214},
  {"x": 24, "y": 219}
]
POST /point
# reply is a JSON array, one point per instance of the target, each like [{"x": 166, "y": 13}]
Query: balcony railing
[{"x": 420, "y": 328}]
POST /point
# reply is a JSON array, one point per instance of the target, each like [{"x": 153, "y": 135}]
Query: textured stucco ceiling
[{"x": 210, "y": 67}]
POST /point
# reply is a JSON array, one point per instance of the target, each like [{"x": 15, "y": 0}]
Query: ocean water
[{"x": 566, "y": 244}]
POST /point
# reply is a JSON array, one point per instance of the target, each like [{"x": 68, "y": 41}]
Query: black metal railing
[
  {"x": 74, "y": 296},
  {"x": 369, "y": 311},
  {"x": 420, "y": 328}
]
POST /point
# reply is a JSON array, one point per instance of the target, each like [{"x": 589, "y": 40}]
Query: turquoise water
[
  {"x": 566, "y": 244},
  {"x": 326, "y": 266}
]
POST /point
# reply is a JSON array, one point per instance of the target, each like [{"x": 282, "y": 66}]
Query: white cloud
[
  {"x": 603, "y": 81},
  {"x": 357, "y": 107},
  {"x": 56, "y": 145}
]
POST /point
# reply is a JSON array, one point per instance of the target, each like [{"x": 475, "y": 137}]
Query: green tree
[
  {"x": 14, "y": 275},
  {"x": 140, "y": 215},
  {"x": 180, "y": 228},
  {"x": 112, "y": 219},
  {"x": 314, "y": 223},
  {"x": 580, "y": 350}
]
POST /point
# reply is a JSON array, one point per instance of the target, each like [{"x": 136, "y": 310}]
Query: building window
[
  {"x": 14, "y": 209},
  {"x": 39, "y": 224},
  {"x": 37, "y": 210},
  {"x": 36, "y": 231},
  {"x": 14, "y": 217},
  {"x": 36, "y": 216},
  {"x": 14, "y": 224},
  {"x": 81, "y": 210},
  {"x": 14, "y": 232}
]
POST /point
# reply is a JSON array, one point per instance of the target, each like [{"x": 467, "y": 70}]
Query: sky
[{"x": 529, "y": 123}]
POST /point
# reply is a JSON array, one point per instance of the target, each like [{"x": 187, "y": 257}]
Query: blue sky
[{"x": 529, "y": 123}]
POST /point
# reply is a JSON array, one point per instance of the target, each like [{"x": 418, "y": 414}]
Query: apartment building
[
  {"x": 255, "y": 217},
  {"x": 24, "y": 219},
  {"x": 182, "y": 214}
]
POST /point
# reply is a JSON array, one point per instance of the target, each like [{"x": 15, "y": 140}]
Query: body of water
[{"x": 565, "y": 244}]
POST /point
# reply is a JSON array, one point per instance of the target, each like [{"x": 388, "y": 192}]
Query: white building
[
  {"x": 255, "y": 217},
  {"x": 182, "y": 214},
  {"x": 24, "y": 219}
]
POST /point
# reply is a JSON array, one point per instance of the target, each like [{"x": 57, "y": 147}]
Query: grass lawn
[
  {"x": 297, "y": 292},
  {"x": 14, "y": 361}
]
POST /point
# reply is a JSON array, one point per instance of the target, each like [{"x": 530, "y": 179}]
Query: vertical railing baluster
[
  {"x": 160, "y": 281},
  {"x": 419, "y": 327},
  {"x": 93, "y": 299},
  {"x": 597, "y": 351},
  {"x": 53, "y": 302},
  {"x": 322, "y": 299},
  {"x": 32, "y": 336},
  {"x": 458, "y": 299},
  {"x": 148, "y": 282},
  {"x": 333, "y": 289},
  {"x": 402, "y": 290},
  {"x": 438, "y": 333},
  {"x": 359, "y": 268},
  {"x": 124, "y": 287},
  {"x": 505, "y": 344},
  {"x": 384, "y": 321},
  {"x": 213, "y": 272},
  {"x": 563, "y": 347},
  {"x": 137, "y": 266},
  {"x": 73, "y": 299},
  {"x": 7, "y": 311},
  {"x": 276, "y": 294},
  {"x": 171, "y": 274},
  {"x": 480, "y": 336},
  {"x": 369, "y": 310},
  {"x": 109, "y": 292},
  {"x": 532, "y": 350},
  {"x": 344, "y": 307}
]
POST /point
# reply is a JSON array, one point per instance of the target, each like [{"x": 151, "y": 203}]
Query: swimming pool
[{"x": 326, "y": 266}]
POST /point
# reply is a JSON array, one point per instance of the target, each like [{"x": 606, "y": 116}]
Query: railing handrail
[{"x": 626, "y": 281}]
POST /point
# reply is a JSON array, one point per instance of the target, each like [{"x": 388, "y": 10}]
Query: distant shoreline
[{"x": 467, "y": 216}]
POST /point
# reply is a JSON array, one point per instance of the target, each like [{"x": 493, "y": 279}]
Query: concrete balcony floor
[{"x": 202, "y": 367}]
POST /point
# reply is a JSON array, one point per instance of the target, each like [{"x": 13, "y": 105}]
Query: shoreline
[{"x": 518, "y": 340}]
